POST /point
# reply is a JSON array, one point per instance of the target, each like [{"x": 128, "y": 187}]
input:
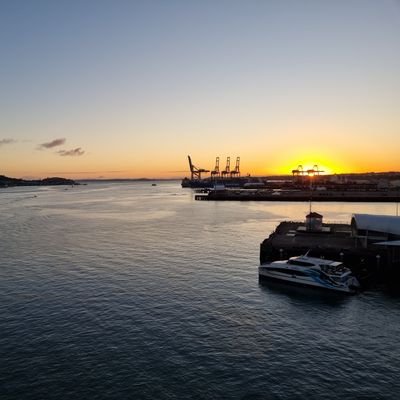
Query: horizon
[
  {"x": 109, "y": 90},
  {"x": 179, "y": 178}
]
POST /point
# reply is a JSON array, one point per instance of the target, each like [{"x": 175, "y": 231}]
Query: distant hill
[{"x": 5, "y": 181}]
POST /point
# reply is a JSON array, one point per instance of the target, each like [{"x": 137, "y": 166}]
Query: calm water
[{"x": 117, "y": 291}]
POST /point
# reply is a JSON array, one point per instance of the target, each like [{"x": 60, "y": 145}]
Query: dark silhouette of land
[{"x": 5, "y": 181}]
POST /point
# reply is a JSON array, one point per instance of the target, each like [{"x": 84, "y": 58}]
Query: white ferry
[{"x": 312, "y": 271}]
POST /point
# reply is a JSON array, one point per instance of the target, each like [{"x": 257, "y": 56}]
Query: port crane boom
[{"x": 195, "y": 171}]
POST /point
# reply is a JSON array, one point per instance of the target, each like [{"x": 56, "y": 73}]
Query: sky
[{"x": 128, "y": 89}]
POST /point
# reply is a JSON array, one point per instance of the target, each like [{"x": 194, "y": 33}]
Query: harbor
[
  {"x": 304, "y": 184},
  {"x": 200, "y": 200}
]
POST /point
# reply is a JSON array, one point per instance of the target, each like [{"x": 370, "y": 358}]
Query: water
[{"x": 115, "y": 291}]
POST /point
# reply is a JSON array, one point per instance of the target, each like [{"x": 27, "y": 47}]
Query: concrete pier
[{"x": 300, "y": 195}]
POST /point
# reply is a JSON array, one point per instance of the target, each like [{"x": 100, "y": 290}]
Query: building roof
[
  {"x": 393, "y": 243},
  {"x": 377, "y": 223}
]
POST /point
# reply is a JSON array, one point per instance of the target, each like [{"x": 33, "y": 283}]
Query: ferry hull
[{"x": 303, "y": 281}]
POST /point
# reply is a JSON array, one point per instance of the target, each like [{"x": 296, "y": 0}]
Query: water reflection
[{"x": 302, "y": 294}]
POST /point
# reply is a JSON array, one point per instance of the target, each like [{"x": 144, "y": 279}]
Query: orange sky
[{"x": 131, "y": 89}]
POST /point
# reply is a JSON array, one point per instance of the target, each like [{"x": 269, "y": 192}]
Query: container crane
[
  {"x": 299, "y": 171},
  {"x": 195, "y": 171},
  {"x": 227, "y": 169},
  {"x": 236, "y": 171},
  {"x": 314, "y": 171},
  {"x": 216, "y": 171}
]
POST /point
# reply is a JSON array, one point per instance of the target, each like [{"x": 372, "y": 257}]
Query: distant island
[{"x": 5, "y": 181}]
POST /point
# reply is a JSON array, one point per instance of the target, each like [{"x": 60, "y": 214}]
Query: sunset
[
  {"x": 200, "y": 200},
  {"x": 136, "y": 86}
]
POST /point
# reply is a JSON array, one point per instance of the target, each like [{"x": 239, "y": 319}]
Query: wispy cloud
[
  {"x": 53, "y": 143},
  {"x": 6, "y": 141},
  {"x": 72, "y": 153}
]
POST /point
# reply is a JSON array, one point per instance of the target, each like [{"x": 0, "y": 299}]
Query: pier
[
  {"x": 373, "y": 255},
  {"x": 300, "y": 195}
]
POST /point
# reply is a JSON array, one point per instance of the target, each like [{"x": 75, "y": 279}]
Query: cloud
[
  {"x": 6, "y": 141},
  {"x": 73, "y": 153},
  {"x": 53, "y": 143}
]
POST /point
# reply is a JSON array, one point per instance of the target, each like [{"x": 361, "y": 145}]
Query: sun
[
  {"x": 312, "y": 163},
  {"x": 317, "y": 160}
]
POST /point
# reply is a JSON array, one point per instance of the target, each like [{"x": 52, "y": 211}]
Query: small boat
[{"x": 311, "y": 271}]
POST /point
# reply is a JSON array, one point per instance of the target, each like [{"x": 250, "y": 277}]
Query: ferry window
[
  {"x": 282, "y": 271},
  {"x": 288, "y": 271},
  {"x": 300, "y": 263},
  {"x": 299, "y": 273}
]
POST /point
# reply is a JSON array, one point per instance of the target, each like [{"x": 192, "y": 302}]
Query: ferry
[{"x": 311, "y": 271}]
